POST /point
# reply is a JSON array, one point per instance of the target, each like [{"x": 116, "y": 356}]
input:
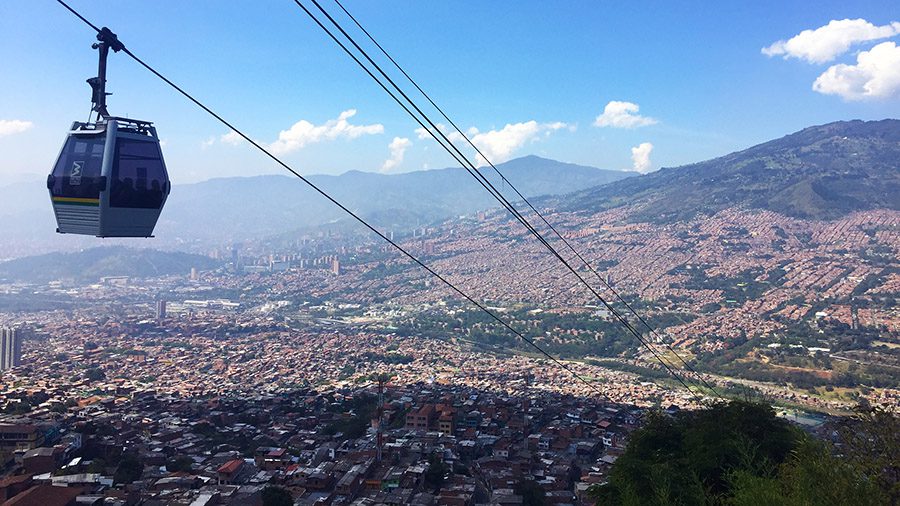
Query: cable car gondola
[{"x": 110, "y": 179}]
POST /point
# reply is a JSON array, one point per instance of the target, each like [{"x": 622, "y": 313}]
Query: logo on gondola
[{"x": 75, "y": 175}]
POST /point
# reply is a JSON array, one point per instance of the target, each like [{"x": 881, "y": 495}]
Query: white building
[{"x": 10, "y": 348}]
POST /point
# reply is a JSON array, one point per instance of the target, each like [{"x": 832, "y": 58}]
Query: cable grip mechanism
[{"x": 107, "y": 40}]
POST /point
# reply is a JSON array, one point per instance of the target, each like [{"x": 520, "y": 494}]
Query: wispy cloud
[
  {"x": 425, "y": 133},
  {"x": 232, "y": 138},
  {"x": 303, "y": 133},
  {"x": 619, "y": 114},
  {"x": 398, "y": 148},
  {"x": 499, "y": 145},
  {"x": 14, "y": 126},
  {"x": 827, "y": 42}
]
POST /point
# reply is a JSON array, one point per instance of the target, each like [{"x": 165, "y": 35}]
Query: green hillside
[
  {"x": 821, "y": 172},
  {"x": 94, "y": 263}
]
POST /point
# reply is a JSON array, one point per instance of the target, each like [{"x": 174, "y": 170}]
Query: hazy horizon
[{"x": 33, "y": 177}]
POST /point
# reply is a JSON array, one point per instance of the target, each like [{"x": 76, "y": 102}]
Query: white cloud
[
  {"x": 232, "y": 138},
  {"x": 398, "y": 148},
  {"x": 423, "y": 133},
  {"x": 640, "y": 157},
  {"x": 619, "y": 114},
  {"x": 452, "y": 134},
  {"x": 830, "y": 41},
  {"x": 875, "y": 75},
  {"x": 499, "y": 145},
  {"x": 303, "y": 132},
  {"x": 14, "y": 126}
]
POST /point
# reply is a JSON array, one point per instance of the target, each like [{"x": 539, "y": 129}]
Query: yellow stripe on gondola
[{"x": 76, "y": 201}]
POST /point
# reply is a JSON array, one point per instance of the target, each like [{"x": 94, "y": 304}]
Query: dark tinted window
[
  {"x": 77, "y": 172},
  {"x": 138, "y": 177}
]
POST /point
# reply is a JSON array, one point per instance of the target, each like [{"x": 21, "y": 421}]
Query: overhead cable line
[
  {"x": 436, "y": 132},
  {"x": 341, "y": 206},
  {"x": 518, "y": 193}
]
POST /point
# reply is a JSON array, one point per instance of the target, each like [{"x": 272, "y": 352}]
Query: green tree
[
  {"x": 741, "y": 454},
  {"x": 97, "y": 465},
  {"x": 811, "y": 475},
  {"x": 17, "y": 408},
  {"x": 276, "y": 496},
  {"x": 95, "y": 374},
  {"x": 688, "y": 458},
  {"x": 129, "y": 470},
  {"x": 38, "y": 398},
  {"x": 180, "y": 465},
  {"x": 436, "y": 473},
  {"x": 532, "y": 493},
  {"x": 871, "y": 441}
]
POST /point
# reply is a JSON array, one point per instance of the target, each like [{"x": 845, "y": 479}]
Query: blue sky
[{"x": 526, "y": 77}]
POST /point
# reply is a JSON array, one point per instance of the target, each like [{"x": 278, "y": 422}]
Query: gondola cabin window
[
  {"x": 77, "y": 172},
  {"x": 138, "y": 176}
]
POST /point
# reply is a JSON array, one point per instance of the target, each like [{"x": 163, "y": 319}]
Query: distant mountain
[
  {"x": 821, "y": 172},
  {"x": 94, "y": 263},
  {"x": 233, "y": 209}
]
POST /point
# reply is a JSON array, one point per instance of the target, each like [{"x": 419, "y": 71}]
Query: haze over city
[{"x": 309, "y": 252}]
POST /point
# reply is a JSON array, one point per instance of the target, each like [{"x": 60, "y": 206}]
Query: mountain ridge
[
  {"x": 231, "y": 209},
  {"x": 95, "y": 263},
  {"x": 820, "y": 172},
  {"x": 419, "y": 197}
]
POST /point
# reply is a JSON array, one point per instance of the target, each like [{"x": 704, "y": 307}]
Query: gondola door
[
  {"x": 138, "y": 182},
  {"x": 77, "y": 182}
]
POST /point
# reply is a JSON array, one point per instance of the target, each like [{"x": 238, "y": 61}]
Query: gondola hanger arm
[{"x": 107, "y": 40}]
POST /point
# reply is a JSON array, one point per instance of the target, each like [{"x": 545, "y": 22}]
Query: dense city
[
  {"x": 329, "y": 370},
  {"x": 653, "y": 259}
]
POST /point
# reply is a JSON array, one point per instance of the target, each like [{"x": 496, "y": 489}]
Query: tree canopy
[
  {"x": 736, "y": 453},
  {"x": 276, "y": 496}
]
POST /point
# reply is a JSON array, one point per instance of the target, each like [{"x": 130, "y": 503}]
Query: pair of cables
[{"x": 378, "y": 74}]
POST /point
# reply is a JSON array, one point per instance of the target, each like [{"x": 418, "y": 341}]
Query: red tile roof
[
  {"x": 45, "y": 495},
  {"x": 231, "y": 466},
  {"x": 13, "y": 480}
]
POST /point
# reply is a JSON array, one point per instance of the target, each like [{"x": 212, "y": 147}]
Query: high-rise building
[
  {"x": 10, "y": 348},
  {"x": 336, "y": 267},
  {"x": 161, "y": 310}
]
